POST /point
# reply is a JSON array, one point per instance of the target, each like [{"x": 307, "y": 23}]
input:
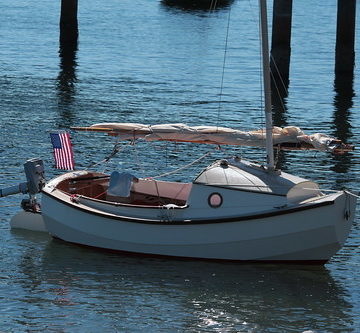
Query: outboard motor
[{"x": 34, "y": 171}]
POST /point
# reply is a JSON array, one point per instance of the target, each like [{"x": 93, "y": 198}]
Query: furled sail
[{"x": 287, "y": 138}]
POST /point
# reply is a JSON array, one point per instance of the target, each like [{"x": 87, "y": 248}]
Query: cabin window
[{"x": 215, "y": 200}]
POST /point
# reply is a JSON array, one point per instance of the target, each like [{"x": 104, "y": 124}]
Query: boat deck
[{"x": 144, "y": 193}]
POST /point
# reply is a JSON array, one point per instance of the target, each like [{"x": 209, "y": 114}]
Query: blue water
[{"x": 148, "y": 62}]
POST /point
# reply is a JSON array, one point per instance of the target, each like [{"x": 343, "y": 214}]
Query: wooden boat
[{"x": 233, "y": 210}]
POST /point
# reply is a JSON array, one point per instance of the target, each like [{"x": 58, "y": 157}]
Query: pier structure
[
  {"x": 280, "y": 43},
  {"x": 281, "y": 40}
]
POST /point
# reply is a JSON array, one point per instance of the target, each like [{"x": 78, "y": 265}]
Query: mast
[{"x": 267, "y": 86}]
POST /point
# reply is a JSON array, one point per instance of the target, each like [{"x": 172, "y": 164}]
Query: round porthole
[{"x": 215, "y": 200}]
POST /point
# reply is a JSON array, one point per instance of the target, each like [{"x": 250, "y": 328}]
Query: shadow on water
[
  {"x": 134, "y": 291},
  {"x": 342, "y": 128},
  {"x": 205, "y": 5}
]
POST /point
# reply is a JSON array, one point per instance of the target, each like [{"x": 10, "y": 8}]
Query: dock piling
[
  {"x": 280, "y": 45},
  {"x": 68, "y": 21},
  {"x": 345, "y": 36}
]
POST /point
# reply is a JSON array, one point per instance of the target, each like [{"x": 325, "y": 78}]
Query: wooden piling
[
  {"x": 68, "y": 21},
  {"x": 280, "y": 46},
  {"x": 67, "y": 52},
  {"x": 345, "y": 36}
]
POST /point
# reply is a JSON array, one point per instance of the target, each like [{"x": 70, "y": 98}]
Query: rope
[
  {"x": 99, "y": 195},
  {"x": 183, "y": 167}
]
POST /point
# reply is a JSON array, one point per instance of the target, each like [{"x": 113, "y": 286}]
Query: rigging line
[
  {"x": 256, "y": 19},
  {"x": 115, "y": 150},
  {"x": 213, "y": 5},
  {"x": 278, "y": 91},
  {"x": 223, "y": 69},
  {"x": 157, "y": 189},
  {"x": 279, "y": 74},
  {"x": 183, "y": 167},
  {"x": 181, "y": 189},
  {"x": 137, "y": 158}
]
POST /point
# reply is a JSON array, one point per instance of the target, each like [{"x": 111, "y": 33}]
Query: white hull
[
  {"x": 308, "y": 233},
  {"x": 233, "y": 210}
]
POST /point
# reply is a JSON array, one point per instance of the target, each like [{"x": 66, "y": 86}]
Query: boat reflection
[{"x": 200, "y": 295}]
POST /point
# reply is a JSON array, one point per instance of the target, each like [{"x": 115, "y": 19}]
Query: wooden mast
[{"x": 267, "y": 84}]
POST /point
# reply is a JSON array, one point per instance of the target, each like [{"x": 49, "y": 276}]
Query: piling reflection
[
  {"x": 342, "y": 129},
  {"x": 279, "y": 107},
  {"x": 67, "y": 74},
  {"x": 343, "y": 102},
  {"x": 200, "y": 295},
  {"x": 66, "y": 80},
  {"x": 67, "y": 53}
]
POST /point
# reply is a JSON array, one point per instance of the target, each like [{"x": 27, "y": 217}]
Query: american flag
[{"x": 63, "y": 153}]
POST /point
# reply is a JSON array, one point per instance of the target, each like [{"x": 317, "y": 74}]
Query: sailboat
[{"x": 233, "y": 210}]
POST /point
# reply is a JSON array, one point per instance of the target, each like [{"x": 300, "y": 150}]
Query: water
[{"x": 148, "y": 62}]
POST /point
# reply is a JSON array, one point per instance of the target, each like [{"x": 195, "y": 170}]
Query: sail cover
[{"x": 290, "y": 137}]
